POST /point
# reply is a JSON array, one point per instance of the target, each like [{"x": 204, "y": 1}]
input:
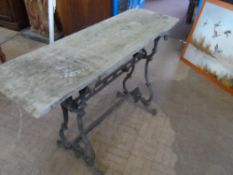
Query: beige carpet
[{"x": 14, "y": 44}]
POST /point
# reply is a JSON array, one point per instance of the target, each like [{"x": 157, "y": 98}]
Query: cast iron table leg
[
  {"x": 136, "y": 93},
  {"x": 81, "y": 145}
]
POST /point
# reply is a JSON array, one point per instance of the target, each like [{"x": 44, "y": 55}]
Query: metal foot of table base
[
  {"x": 81, "y": 145},
  {"x": 148, "y": 108},
  {"x": 136, "y": 94}
]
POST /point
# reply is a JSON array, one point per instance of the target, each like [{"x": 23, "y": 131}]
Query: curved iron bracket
[
  {"x": 81, "y": 145},
  {"x": 136, "y": 93}
]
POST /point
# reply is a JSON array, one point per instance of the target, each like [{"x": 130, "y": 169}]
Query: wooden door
[
  {"x": 13, "y": 14},
  {"x": 75, "y": 15},
  {"x": 99, "y": 10},
  {"x": 5, "y": 10}
]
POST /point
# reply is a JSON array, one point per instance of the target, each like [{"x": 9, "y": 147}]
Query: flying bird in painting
[
  {"x": 217, "y": 24},
  {"x": 216, "y": 34},
  {"x": 216, "y": 49},
  {"x": 227, "y": 33},
  {"x": 205, "y": 23}
]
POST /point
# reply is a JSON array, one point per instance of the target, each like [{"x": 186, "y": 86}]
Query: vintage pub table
[{"x": 77, "y": 67}]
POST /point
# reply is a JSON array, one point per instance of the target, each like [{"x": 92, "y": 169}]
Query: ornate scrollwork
[
  {"x": 136, "y": 93},
  {"x": 81, "y": 145}
]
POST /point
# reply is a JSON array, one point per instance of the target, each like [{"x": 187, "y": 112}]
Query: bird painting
[
  {"x": 216, "y": 49},
  {"x": 227, "y": 33},
  {"x": 205, "y": 23},
  {"x": 217, "y": 24},
  {"x": 216, "y": 34}
]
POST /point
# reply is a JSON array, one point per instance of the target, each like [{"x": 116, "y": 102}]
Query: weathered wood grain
[{"x": 43, "y": 78}]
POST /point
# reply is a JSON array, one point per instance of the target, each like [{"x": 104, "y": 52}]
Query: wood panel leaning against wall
[{"x": 37, "y": 11}]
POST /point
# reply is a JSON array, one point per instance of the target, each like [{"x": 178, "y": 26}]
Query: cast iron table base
[{"x": 81, "y": 145}]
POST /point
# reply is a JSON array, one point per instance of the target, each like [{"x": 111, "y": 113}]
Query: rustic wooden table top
[{"x": 39, "y": 80}]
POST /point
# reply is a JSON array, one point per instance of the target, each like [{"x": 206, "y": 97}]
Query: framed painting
[{"x": 209, "y": 47}]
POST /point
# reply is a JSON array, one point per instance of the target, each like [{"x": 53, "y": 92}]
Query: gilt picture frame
[{"x": 209, "y": 47}]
